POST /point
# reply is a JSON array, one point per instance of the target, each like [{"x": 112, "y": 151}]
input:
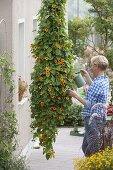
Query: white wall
[
  {"x": 5, "y": 26},
  {"x": 23, "y": 11}
]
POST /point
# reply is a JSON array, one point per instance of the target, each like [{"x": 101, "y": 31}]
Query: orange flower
[
  {"x": 52, "y": 97},
  {"x": 42, "y": 133},
  {"x": 73, "y": 77},
  {"x": 52, "y": 108},
  {"x": 39, "y": 59},
  {"x": 63, "y": 64},
  {"x": 41, "y": 78},
  {"x": 56, "y": 73},
  {"x": 58, "y": 98},
  {"x": 35, "y": 47},
  {"x": 46, "y": 29},
  {"x": 40, "y": 136},
  {"x": 47, "y": 69},
  {"x": 51, "y": 154},
  {"x": 46, "y": 58},
  {"x": 60, "y": 109},
  {"x": 47, "y": 73},
  {"x": 57, "y": 45},
  {"x": 62, "y": 60},
  {"x": 62, "y": 80},
  {"x": 59, "y": 62},
  {"x": 44, "y": 140},
  {"x": 63, "y": 89},
  {"x": 49, "y": 90},
  {"x": 53, "y": 5},
  {"x": 40, "y": 87}
]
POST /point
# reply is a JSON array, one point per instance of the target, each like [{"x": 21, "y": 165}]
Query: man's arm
[
  {"x": 79, "y": 98},
  {"x": 87, "y": 76}
]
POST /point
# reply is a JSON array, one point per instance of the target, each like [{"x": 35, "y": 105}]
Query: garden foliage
[
  {"x": 8, "y": 121},
  {"x": 79, "y": 31},
  {"x": 52, "y": 75},
  {"x": 102, "y": 160},
  {"x": 74, "y": 115},
  {"x": 102, "y": 11}
]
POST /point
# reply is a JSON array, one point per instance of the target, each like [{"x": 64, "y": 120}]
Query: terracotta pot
[{"x": 20, "y": 98}]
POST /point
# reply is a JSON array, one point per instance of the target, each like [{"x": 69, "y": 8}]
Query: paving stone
[{"x": 66, "y": 148}]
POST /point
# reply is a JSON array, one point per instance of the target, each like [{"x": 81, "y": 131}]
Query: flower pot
[
  {"x": 20, "y": 95},
  {"x": 79, "y": 80},
  {"x": 20, "y": 98}
]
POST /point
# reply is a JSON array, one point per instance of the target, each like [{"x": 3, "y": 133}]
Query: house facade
[{"x": 17, "y": 22}]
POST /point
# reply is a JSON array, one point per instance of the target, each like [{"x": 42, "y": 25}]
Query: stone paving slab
[{"x": 66, "y": 148}]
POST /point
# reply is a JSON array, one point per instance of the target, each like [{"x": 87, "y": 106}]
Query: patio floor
[{"x": 66, "y": 148}]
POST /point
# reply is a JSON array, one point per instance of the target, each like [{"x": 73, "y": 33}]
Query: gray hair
[{"x": 101, "y": 61}]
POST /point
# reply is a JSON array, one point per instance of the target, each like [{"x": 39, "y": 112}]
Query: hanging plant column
[{"x": 52, "y": 75}]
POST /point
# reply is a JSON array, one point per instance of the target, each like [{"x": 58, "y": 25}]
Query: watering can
[{"x": 79, "y": 80}]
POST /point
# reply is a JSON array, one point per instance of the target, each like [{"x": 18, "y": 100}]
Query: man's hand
[
  {"x": 75, "y": 95},
  {"x": 72, "y": 93},
  {"x": 85, "y": 88}
]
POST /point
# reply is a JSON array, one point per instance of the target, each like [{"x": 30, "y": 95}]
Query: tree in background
[
  {"x": 79, "y": 31},
  {"x": 103, "y": 25},
  {"x": 52, "y": 75}
]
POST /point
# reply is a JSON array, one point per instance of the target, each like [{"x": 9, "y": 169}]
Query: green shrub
[
  {"x": 14, "y": 163},
  {"x": 74, "y": 115}
]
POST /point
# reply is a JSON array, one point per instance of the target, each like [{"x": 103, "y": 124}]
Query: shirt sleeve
[{"x": 95, "y": 95}]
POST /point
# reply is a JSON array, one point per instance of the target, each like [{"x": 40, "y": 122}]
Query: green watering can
[{"x": 79, "y": 80}]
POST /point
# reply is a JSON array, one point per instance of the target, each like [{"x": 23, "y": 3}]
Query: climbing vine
[
  {"x": 7, "y": 117},
  {"x": 8, "y": 120},
  {"x": 52, "y": 75}
]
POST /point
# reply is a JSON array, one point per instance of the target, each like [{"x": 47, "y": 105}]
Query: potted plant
[
  {"x": 22, "y": 88},
  {"x": 52, "y": 75}
]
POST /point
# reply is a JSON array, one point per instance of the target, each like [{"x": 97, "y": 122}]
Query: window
[
  {"x": 35, "y": 28},
  {"x": 21, "y": 44}
]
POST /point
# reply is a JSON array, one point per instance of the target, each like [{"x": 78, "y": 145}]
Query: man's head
[{"x": 99, "y": 64}]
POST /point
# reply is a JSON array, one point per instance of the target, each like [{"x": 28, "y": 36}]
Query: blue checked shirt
[{"x": 97, "y": 93}]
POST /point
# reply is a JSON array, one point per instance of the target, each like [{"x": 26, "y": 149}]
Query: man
[{"x": 97, "y": 93}]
